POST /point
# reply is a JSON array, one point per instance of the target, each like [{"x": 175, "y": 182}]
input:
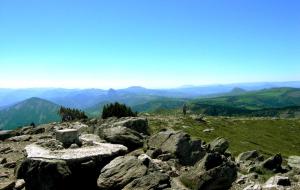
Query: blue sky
[{"x": 152, "y": 43}]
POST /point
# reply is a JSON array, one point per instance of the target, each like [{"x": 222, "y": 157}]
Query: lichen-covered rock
[
  {"x": 213, "y": 172},
  {"x": 273, "y": 163},
  {"x": 277, "y": 182},
  {"x": 155, "y": 180},
  {"x": 249, "y": 155},
  {"x": 294, "y": 162},
  {"x": 179, "y": 144},
  {"x": 138, "y": 124},
  {"x": 219, "y": 145},
  {"x": 121, "y": 171},
  {"x": 76, "y": 169},
  {"x": 122, "y": 135}
]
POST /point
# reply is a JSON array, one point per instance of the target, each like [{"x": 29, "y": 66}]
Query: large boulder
[
  {"x": 213, "y": 172},
  {"x": 5, "y": 134},
  {"x": 277, "y": 182},
  {"x": 138, "y": 124},
  {"x": 122, "y": 135},
  {"x": 273, "y": 163},
  {"x": 121, "y": 171},
  {"x": 155, "y": 180},
  {"x": 60, "y": 169},
  {"x": 219, "y": 145},
  {"x": 249, "y": 155},
  {"x": 179, "y": 144}
]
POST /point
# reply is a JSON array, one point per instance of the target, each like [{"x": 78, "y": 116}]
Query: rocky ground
[{"x": 122, "y": 154}]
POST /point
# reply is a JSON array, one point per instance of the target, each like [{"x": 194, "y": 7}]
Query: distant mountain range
[
  {"x": 34, "y": 110},
  {"x": 18, "y": 108},
  {"x": 85, "y": 98}
]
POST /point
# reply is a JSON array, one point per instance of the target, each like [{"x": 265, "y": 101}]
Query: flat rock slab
[
  {"x": 294, "y": 162},
  {"x": 100, "y": 150}
]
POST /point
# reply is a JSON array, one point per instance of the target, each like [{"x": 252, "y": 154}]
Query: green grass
[{"x": 268, "y": 136}]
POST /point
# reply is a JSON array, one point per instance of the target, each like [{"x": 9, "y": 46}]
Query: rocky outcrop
[
  {"x": 213, "y": 172},
  {"x": 122, "y": 135},
  {"x": 177, "y": 144},
  {"x": 46, "y": 169},
  {"x": 121, "y": 171},
  {"x": 155, "y": 180},
  {"x": 219, "y": 145},
  {"x": 294, "y": 162}
]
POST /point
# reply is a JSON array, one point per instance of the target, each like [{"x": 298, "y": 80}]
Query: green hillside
[
  {"x": 34, "y": 110},
  {"x": 255, "y": 100}
]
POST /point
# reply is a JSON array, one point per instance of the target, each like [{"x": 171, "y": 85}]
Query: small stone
[
  {"x": 67, "y": 136},
  {"x": 20, "y": 184},
  {"x": 20, "y": 138},
  {"x": 208, "y": 130},
  {"x": 74, "y": 146}
]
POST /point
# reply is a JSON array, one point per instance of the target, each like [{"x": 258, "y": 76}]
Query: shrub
[
  {"x": 117, "y": 110},
  {"x": 68, "y": 114}
]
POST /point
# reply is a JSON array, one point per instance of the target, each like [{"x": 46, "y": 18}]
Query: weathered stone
[
  {"x": 67, "y": 136},
  {"x": 5, "y": 134},
  {"x": 176, "y": 184},
  {"x": 74, "y": 169},
  {"x": 122, "y": 135},
  {"x": 209, "y": 130},
  {"x": 276, "y": 181},
  {"x": 155, "y": 180},
  {"x": 135, "y": 123},
  {"x": 20, "y": 184},
  {"x": 273, "y": 163},
  {"x": 178, "y": 144},
  {"x": 91, "y": 139},
  {"x": 213, "y": 172},
  {"x": 121, "y": 171},
  {"x": 253, "y": 187},
  {"x": 249, "y": 155},
  {"x": 294, "y": 162},
  {"x": 219, "y": 145},
  {"x": 20, "y": 138}
]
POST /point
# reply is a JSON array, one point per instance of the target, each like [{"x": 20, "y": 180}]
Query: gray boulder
[
  {"x": 213, "y": 172},
  {"x": 219, "y": 145},
  {"x": 20, "y": 138},
  {"x": 249, "y": 155},
  {"x": 122, "y": 135},
  {"x": 277, "y": 182},
  {"x": 155, "y": 180},
  {"x": 179, "y": 144},
  {"x": 294, "y": 162},
  {"x": 5, "y": 134},
  {"x": 138, "y": 124},
  {"x": 61, "y": 169},
  {"x": 273, "y": 163},
  {"x": 121, "y": 171}
]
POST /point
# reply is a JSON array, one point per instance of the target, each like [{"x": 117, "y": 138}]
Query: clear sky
[{"x": 151, "y": 43}]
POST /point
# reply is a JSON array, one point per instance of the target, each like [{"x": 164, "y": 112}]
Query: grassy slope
[
  {"x": 34, "y": 110},
  {"x": 264, "y": 134},
  {"x": 269, "y": 98}
]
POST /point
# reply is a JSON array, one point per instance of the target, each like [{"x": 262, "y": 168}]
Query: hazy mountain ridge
[
  {"x": 23, "y": 113},
  {"x": 86, "y": 98}
]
